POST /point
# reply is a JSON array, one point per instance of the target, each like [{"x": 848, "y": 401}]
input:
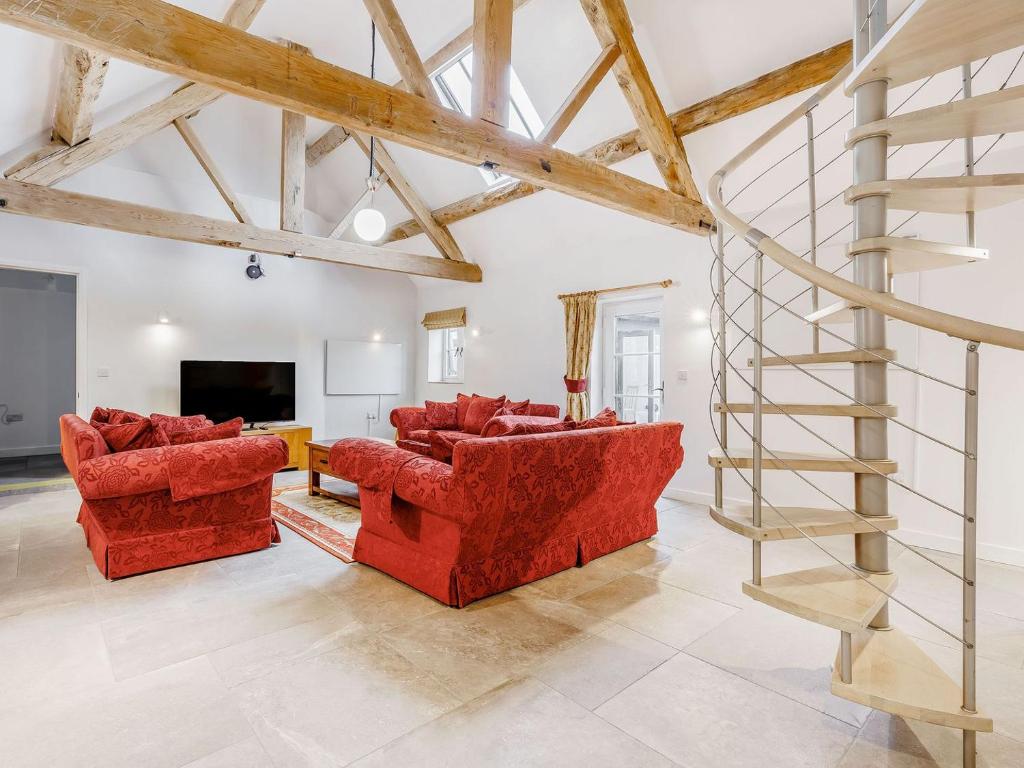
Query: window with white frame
[
  {"x": 446, "y": 355},
  {"x": 454, "y": 84}
]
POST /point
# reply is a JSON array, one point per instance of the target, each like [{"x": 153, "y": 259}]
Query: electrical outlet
[
  {"x": 682, "y": 375},
  {"x": 102, "y": 373},
  {"x": 13, "y": 417},
  {"x": 371, "y": 417}
]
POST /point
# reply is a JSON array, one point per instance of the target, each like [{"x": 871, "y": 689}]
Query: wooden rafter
[
  {"x": 396, "y": 39},
  {"x": 293, "y": 162},
  {"x": 335, "y": 136},
  {"x": 437, "y": 233},
  {"x": 81, "y": 79},
  {"x": 780, "y": 83},
  {"x": 191, "y": 139},
  {"x": 492, "y": 60},
  {"x": 611, "y": 24},
  {"x": 364, "y": 199},
  {"x": 74, "y": 208},
  {"x": 57, "y": 161},
  {"x": 574, "y": 102},
  {"x": 170, "y": 39}
]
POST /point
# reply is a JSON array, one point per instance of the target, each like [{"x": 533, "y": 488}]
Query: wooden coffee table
[{"x": 319, "y": 464}]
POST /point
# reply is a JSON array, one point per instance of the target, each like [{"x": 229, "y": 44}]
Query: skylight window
[{"x": 454, "y": 84}]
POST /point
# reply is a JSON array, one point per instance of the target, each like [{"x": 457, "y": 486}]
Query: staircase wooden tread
[
  {"x": 779, "y": 525},
  {"x": 946, "y": 194},
  {"x": 985, "y": 115},
  {"x": 832, "y": 595},
  {"x": 935, "y": 35},
  {"x": 811, "y": 409},
  {"x": 892, "y": 673},
  {"x": 911, "y": 255},
  {"x": 826, "y": 358},
  {"x": 839, "y": 313},
  {"x": 742, "y": 458}
]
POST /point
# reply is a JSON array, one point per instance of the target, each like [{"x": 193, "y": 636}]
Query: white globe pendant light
[{"x": 369, "y": 224}]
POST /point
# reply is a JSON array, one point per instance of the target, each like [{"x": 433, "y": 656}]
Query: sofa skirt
[{"x": 153, "y": 552}]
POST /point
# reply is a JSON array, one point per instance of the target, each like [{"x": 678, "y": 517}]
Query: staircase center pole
[{"x": 870, "y": 271}]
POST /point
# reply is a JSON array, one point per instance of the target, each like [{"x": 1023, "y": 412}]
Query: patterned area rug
[{"x": 329, "y": 524}]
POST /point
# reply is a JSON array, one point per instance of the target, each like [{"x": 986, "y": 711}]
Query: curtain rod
[{"x": 659, "y": 284}]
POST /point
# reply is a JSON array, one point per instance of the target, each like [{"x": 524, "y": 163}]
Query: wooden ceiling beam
[
  {"x": 71, "y": 207},
  {"x": 611, "y": 24},
  {"x": 788, "y": 80},
  {"x": 81, "y": 79},
  {"x": 170, "y": 39},
  {"x": 579, "y": 95},
  {"x": 293, "y": 162},
  {"x": 192, "y": 141},
  {"x": 403, "y": 53},
  {"x": 437, "y": 233},
  {"x": 57, "y": 161},
  {"x": 492, "y": 60}
]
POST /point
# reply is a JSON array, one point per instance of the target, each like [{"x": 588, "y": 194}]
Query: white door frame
[
  {"x": 81, "y": 377},
  {"x": 608, "y": 312}
]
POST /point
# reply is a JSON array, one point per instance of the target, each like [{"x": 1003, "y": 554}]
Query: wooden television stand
[{"x": 296, "y": 436}]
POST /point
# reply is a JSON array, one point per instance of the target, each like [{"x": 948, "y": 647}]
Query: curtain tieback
[{"x": 575, "y": 386}]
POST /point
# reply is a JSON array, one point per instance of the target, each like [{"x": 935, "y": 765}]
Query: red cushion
[
  {"x": 527, "y": 428},
  {"x": 461, "y": 406},
  {"x": 480, "y": 411},
  {"x": 442, "y": 415},
  {"x": 502, "y": 424},
  {"x": 179, "y": 423},
  {"x": 130, "y": 436},
  {"x": 223, "y": 431},
  {"x": 605, "y": 418},
  {"x": 516, "y": 409},
  {"x": 113, "y": 416},
  {"x": 441, "y": 446}
]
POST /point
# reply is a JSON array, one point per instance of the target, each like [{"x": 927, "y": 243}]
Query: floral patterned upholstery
[
  {"x": 408, "y": 419},
  {"x": 171, "y": 505},
  {"x": 509, "y": 510}
]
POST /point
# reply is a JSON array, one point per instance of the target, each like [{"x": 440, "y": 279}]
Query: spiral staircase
[{"x": 877, "y": 665}]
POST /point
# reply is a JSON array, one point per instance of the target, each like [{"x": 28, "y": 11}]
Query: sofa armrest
[
  {"x": 430, "y": 484},
  {"x": 408, "y": 419},
  {"x": 123, "y": 474},
  {"x": 216, "y": 466}
]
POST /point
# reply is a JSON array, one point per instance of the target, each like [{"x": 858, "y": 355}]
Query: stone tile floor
[{"x": 287, "y": 657}]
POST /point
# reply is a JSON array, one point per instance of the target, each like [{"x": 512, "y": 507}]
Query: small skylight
[{"x": 454, "y": 84}]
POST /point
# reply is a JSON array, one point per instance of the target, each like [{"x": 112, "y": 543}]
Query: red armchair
[
  {"x": 160, "y": 507},
  {"x": 509, "y": 510}
]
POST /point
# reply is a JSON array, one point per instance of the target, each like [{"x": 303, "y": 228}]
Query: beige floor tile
[
  {"x": 599, "y": 666},
  {"x": 373, "y": 598},
  {"x": 142, "y": 642},
  {"x": 262, "y": 655},
  {"x": 8, "y": 564},
  {"x": 157, "y": 591},
  {"x": 160, "y": 720},
  {"x": 477, "y": 649},
  {"x": 685, "y": 526},
  {"x": 10, "y": 534},
  {"x": 698, "y": 715},
  {"x": 244, "y": 754},
  {"x": 665, "y": 613},
  {"x": 524, "y": 723},
  {"x": 574, "y": 581},
  {"x": 782, "y": 653},
  {"x": 43, "y": 652},
  {"x": 52, "y": 533},
  {"x": 892, "y": 742},
  {"x": 639, "y": 555},
  {"x": 338, "y": 706},
  {"x": 53, "y": 560},
  {"x": 25, "y": 594}
]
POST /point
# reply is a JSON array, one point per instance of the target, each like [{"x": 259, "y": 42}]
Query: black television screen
[{"x": 223, "y": 390}]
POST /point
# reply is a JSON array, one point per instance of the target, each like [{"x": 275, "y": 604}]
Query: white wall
[
  {"x": 37, "y": 359},
  {"x": 215, "y": 311}
]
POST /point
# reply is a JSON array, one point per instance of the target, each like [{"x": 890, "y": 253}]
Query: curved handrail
[{"x": 952, "y": 325}]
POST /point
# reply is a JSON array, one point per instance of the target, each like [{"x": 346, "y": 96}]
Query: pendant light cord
[{"x": 373, "y": 64}]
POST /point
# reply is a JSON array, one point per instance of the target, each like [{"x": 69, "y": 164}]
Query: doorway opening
[{"x": 631, "y": 359}]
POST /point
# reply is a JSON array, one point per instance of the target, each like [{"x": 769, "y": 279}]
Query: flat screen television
[{"x": 224, "y": 389}]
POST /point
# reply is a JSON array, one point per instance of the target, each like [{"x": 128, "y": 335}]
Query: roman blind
[{"x": 445, "y": 318}]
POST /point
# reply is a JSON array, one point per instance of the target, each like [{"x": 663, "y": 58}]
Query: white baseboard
[
  {"x": 994, "y": 552},
  {"x": 35, "y": 450}
]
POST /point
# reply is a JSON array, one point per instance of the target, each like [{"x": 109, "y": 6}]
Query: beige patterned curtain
[{"x": 580, "y": 316}]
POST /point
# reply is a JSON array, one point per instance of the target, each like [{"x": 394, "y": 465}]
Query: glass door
[{"x": 633, "y": 383}]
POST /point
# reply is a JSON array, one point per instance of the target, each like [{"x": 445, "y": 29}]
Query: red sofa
[
  {"x": 412, "y": 432},
  {"x": 158, "y": 507},
  {"x": 509, "y": 510}
]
